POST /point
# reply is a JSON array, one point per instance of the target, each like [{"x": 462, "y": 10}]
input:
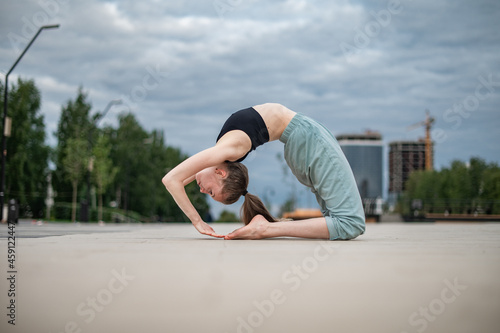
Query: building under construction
[
  {"x": 404, "y": 158},
  {"x": 408, "y": 156}
]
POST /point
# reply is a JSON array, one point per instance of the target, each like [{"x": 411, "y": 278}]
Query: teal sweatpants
[{"x": 316, "y": 159}]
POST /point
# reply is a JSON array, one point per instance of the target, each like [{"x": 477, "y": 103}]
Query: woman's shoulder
[{"x": 235, "y": 144}]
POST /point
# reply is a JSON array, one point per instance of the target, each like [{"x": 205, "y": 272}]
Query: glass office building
[{"x": 365, "y": 155}]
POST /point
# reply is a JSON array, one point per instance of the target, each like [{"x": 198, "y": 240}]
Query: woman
[{"x": 311, "y": 152}]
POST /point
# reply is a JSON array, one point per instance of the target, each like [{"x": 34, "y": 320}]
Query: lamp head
[{"x": 51, "y": 26}]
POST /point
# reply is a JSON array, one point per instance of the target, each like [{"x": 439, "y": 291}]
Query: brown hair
[{"x": 235, "y": 185}]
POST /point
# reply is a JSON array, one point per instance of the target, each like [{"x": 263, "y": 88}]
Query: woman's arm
[
  {"x": 189, "y": 180},
  {"x": 185, "y": 173}
]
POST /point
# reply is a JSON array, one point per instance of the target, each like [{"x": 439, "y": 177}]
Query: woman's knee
[{"x": 345, "y": 228}]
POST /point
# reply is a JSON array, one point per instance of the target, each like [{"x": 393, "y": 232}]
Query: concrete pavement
[{"x": 168, "y": 278}]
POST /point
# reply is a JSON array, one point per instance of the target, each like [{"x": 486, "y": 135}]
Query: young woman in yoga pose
[{"x": 311, "y": 152}]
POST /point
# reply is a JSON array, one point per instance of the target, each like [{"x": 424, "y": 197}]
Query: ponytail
[
  {"x": 235, "y": 185},
  {"x": 253, "y": 206}
]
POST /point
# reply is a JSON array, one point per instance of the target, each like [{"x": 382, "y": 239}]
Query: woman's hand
[
  {"x": 205, "y": 229},
  {"x": 256, "y": 229}
]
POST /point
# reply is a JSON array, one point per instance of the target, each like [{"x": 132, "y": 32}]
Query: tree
[
  {"x": 103, "y": 171},
  {"x": 130, "y": 153},
  {"x": 227, "y": 216},
  {"x": 130, "y": 163},
  {"x": 27, "y": 159},
  {"x": 425, "y": 186},
  {"x": 75, "y": 162},
  {"x": 476, "y": 172},
  {"x": 463, "y": 188},
  {"x": 143, "y": 159},
  {"x": 74, "y": 123},
  {"x": 458, "y": 186},
  {"x": 289, "y": 205},
  {"x": 490, "y": 189}
]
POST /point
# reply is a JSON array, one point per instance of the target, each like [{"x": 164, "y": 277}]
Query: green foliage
[
  {"x": 463, "y": 188},
  {"x": 128, "y": 162},
  {"x": 75, "y": 160},
  {"x": 103, "y": 170},
  {"x": 227, "y": 216},
  {"x": 128, "y": 166},
  {"x": 144, "y": 159},
  {"x": 289, "y": 205},
  {"x": 27, "y": 155},
  {"x": 130, "y": 153},
  {"x": 75, "y": 165},
  {"x": 74, "y": 123},
  {"x": 491, "y": 190}
]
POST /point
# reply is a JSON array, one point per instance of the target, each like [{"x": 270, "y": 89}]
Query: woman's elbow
[{"x": 167, "y": 180}]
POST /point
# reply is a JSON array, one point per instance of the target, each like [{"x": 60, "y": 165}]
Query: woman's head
[
  {"x": 210, "y": 181},
  {"x": 235, "y": 185},
  {"x": 226, "y": 183}
]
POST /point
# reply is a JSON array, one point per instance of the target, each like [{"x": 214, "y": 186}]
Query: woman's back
[{"x": 276, "y": 116}]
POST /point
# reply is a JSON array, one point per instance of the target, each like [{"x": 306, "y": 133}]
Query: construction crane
[{"x": 428, "y": 142}]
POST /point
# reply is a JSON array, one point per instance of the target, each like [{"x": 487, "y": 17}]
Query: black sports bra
[{"x": 249, "y": 121}]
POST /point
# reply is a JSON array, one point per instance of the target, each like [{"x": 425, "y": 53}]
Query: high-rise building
[
  {"x": 404, "y": 158},
  {"x": 365, "y": 155}
]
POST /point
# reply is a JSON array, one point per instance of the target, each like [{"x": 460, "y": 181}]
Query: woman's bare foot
[{"x": 256, "y": 229}]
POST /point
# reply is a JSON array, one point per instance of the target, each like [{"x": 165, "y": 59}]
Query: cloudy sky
[{"x": 184, "y": 66}]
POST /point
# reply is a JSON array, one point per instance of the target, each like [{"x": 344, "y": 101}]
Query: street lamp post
[
  {"x": 98, "y": 117},
  {"x": 6, "y": 129}
]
